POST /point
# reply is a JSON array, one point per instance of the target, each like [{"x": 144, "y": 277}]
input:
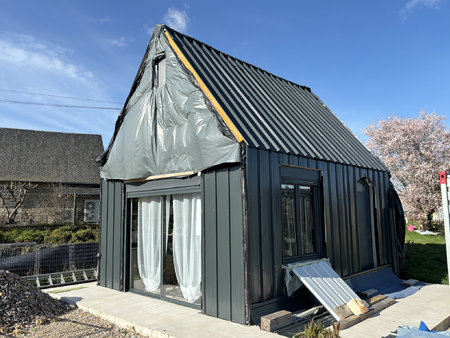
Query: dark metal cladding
[
  {"x": 111, "y": 269},
  {"x": 223, "y": 245},
  {"x": 341, "y": 227},
  {"x": 273, "y": 113}
]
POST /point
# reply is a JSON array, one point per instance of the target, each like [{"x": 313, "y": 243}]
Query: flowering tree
[{"x": 414, "y": 150}]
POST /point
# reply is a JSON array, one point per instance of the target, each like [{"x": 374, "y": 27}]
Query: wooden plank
[
  {"x": 343, "y": 311},
  {"x": 110, "y": 236},
  {"x": 357, "y": 307},
  {"x": 352, "y": 320},
  {"x": 157, "y": 177},
  {"x": 276, "y": 320},
  {"x": 376, "y": 299}
]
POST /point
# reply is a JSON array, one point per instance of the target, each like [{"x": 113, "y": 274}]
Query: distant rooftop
[{"x": 43, "y": 156}]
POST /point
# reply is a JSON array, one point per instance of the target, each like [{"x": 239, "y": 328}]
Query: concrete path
[
  {"x": 152, "y": 317},
  {"x": 430, "y": 304}
]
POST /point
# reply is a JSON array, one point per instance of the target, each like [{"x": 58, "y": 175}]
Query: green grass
[{"x": 425, "y": 258}]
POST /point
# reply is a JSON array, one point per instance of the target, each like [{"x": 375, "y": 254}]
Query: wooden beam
[
  {"x": 276, "y": 320},
  {"x": 158, "y": 177}
]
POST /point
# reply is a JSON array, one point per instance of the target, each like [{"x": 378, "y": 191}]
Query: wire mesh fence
[{"x": 27, "y": 259}]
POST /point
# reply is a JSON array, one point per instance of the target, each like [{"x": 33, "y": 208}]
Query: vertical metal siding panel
[
  {"x": 304, "y": 162},
  {"x": 277, "y": 231},
  {"x": 387, "y": 228},
  {"x": 210, "y": 256},
  {"x": 223, "y": 245},
  {"x": 117, "y": 235},
  {"x": 265, "y": 210},
  {"x": 346, "y": 216},
  {"x": 103, "y": 233},
  {"x": 254, "y": 238},
  {"x": 323, "y": 166},
  {"x": 237, "y": 247},
  {"x": 344, "y": 249},
  {"x": 352, "y": 199},
  {"x": 335, "y": 221},
  {"x": 110, "y": 236},
  {"x": 294, "y": 160},
  {"x": 283, "y": 158},
  {"x": 382, "y": 196}
]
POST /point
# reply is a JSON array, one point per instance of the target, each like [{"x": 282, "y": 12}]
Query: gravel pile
[{"x": 23, "y": 305}]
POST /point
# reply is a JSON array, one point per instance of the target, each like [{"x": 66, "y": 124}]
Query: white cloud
[
  {"x": 176, "y": 19},
  {"x": 104, "y": 19},
  {"x": 411, "y": 5},
  {"x": 26, "y": 51},
  {"x": 120, "y": 42}
]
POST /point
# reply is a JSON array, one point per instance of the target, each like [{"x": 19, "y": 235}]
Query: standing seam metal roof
[{"x": 273, "y": 113}]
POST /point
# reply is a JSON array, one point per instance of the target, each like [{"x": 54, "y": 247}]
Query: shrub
[
  {"x": 84, "y": 235},
  {"x": 315, "y": 330},
  {"x": 60, "y": 236}
]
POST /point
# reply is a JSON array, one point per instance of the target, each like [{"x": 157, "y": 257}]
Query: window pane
[
  {"x": 183, "y": 257},
  {"x": 306, "y": 219},
  {"x": 146, "y": 244},
  {"x": 288, "y": 212}
]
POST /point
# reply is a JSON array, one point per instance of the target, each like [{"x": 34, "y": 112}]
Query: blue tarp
[{"x": 385, "y": 282}]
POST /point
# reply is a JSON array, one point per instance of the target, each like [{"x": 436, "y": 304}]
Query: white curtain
[
  {"x": 187, "y": 244},
  {"x": 149, "y": 241}
]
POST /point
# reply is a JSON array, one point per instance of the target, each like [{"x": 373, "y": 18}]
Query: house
[
  {"x": 59, "y": 170},
  {"x": 219, "y": 174}
]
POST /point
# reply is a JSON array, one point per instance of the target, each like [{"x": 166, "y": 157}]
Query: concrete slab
[
  {"x": 151, "y": 317},
  {"x": 430, "y": 304}
]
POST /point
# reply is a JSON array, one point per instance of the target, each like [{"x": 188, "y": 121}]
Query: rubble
[{"x": 23, "y": 305}]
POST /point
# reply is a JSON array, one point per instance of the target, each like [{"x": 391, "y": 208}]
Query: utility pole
[{"x": 444, "y": 178}]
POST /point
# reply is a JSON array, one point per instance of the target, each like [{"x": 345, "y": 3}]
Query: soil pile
[{"x": 23, "y": 305}]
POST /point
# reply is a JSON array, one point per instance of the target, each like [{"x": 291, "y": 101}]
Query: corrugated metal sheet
[
  {"x": 325, "y": 284},
  {"x": 273, "y": 113}
]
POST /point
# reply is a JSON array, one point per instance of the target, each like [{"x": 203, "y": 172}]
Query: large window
[
  {"x": 166, "y": 246},
  {"x": 301, "y": 215}
]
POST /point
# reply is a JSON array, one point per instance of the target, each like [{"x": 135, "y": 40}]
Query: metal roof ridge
[{"x": 237, "y": 59}]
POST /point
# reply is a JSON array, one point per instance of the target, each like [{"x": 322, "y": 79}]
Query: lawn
[{"x": 425, "y": 258}]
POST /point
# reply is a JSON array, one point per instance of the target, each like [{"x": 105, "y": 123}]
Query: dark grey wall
[
  {"x": 265, "y": 280},
  {"x": 111, "y": 269},
  {"x": 223, "y": 244}
]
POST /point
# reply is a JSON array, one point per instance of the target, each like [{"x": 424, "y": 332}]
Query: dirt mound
[{"x": 23, "y": 305}]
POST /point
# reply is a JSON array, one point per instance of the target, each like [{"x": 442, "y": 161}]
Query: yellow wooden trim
[
  {"x": 205, "y": 89},
  {"x": 157, "y": 177}
]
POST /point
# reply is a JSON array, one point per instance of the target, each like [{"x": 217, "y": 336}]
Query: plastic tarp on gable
[{"x": 168, "y": 129}]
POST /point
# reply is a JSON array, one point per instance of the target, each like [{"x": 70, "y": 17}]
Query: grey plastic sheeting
[{"x": 168, "y": 129}]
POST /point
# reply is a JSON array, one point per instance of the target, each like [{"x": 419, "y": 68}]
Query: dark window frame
[
  {"x": 159, "y": 71},
  {"x": 299, "y": 176},
  {"x": 163, "y": 188}
]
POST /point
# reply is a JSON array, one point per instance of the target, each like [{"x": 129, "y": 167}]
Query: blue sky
[{"x": 367, "y": 60}]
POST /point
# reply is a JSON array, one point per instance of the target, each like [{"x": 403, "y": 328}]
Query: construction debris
[{"x": 23, "y": 305}]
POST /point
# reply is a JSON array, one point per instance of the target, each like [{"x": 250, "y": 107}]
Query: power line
[
  {"x": 58, "y": 105},
  {"x": 53, "y": 95}
]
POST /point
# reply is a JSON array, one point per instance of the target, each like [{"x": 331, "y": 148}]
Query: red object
[{"x": 443, "y": 177}]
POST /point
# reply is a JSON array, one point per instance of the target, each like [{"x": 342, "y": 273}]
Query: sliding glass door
[{"x": 166, "y": 246}]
